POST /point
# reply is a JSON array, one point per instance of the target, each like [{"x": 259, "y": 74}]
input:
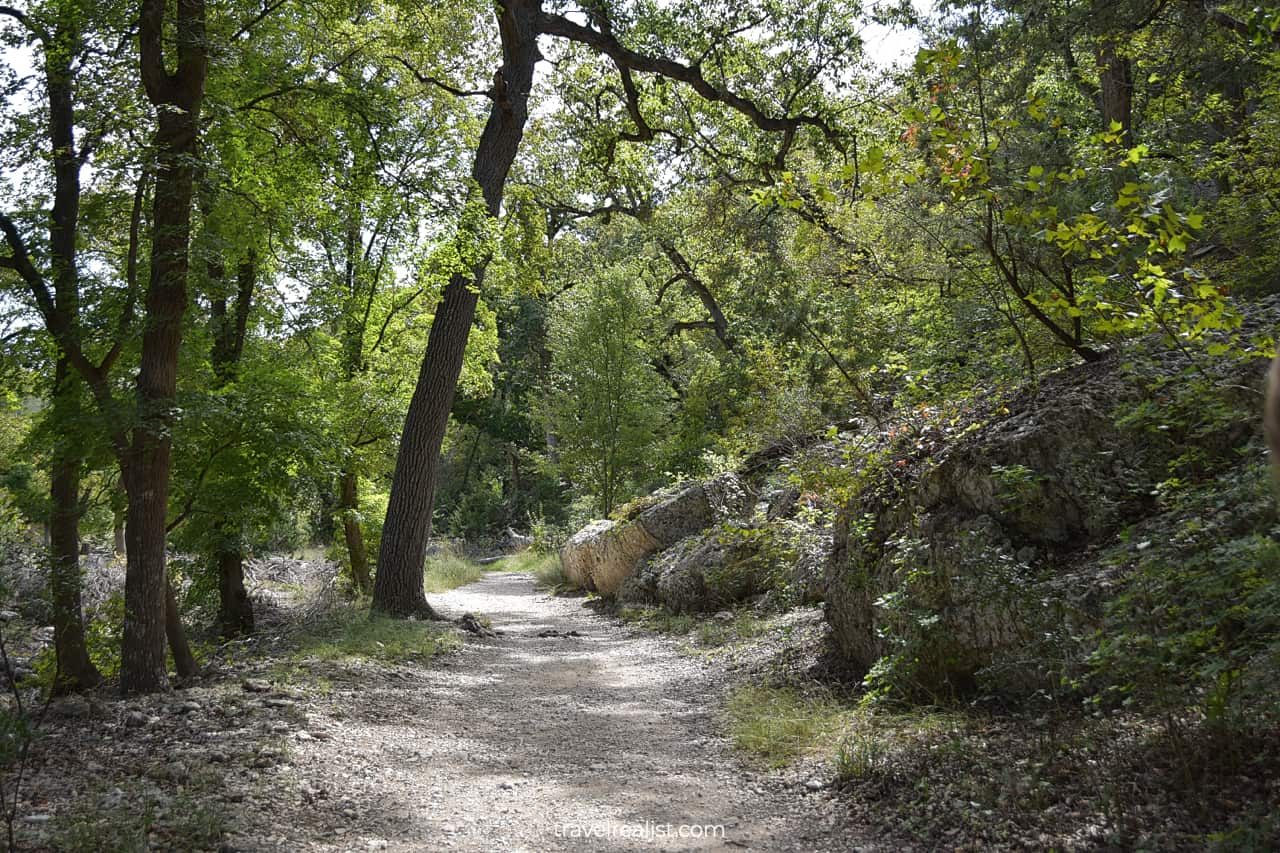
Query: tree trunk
[
  {"x": 183, "y": 660},
  {"x": 348, "y": 506},
  {"x": 145, "y": 464},
  {"x": 235, "y": 608},
  {"x": 142, "y": 663},
  {"x": 1115, "y": 92},
  {"x": 147, "y": 618},
  {"x": 75, "y": 670},
  {"x": 117, "y": 523},
  {"x": 398, "y": 586}
]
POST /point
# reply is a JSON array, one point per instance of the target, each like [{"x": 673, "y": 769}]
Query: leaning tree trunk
[
  {"x": 75, "y": 670},
  {"x": 184, "y": 662},
  {"x": 145, "y": 464},
  {"x": 398, "y": 587},
  {"x": 353, "y": 330}
]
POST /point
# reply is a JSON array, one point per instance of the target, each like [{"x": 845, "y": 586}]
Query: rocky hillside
[{"x": 973, "y": 547}]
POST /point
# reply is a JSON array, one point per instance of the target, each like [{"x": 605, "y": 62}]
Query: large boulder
[
  {"x": 773, "y": 562},
  {"x": 604, "y": 554}
]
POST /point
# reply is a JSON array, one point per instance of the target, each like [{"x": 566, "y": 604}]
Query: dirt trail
[{"x": 607, "y": 741}]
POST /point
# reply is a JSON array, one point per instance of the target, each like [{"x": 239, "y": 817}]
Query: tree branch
[
  {"x": 1234, "y": 24},
  {"x": 605, "y": 43},
  {"x": 247, "y": 26},
  {"x": 686, "y": 274},
  {"x": 428, "y": 80},
  {"x": 25, "y": 21},
  {"x": 55, "y": 320},
  {"x": 130, "y": 277}
]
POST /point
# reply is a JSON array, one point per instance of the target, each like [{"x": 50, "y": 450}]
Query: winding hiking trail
[{"x": 605, "y": 741}]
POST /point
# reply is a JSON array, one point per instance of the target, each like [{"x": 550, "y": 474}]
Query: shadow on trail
[{"x": 605, "y": 741}]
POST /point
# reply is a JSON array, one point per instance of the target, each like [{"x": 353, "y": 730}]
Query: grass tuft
[
  {"x": 780, "y": 725},
  {"x": 351, "y": 634},
  {"x": 447, "y": 569},
  {"x": 142, "y": 819}
]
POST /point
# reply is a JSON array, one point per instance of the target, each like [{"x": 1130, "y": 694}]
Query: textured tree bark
[
  {"x": 235, "y": 612},
  {"x": 146, "y": 462},
  {"x": 1115, "y": 92},
  {"x": 75, "y": 670},
  {"x": 398, "y": 586},
  {"x": 117, "y": 534}
]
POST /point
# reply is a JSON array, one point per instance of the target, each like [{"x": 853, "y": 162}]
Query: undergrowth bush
[
  {"x": 759, "y": 558},
  {"x": 1195, "y": 624}
]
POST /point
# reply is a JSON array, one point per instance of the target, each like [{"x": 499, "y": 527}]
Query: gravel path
[{"x": 605, "y": 741}]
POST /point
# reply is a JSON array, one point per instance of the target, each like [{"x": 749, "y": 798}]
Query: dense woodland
[{"x": 360, "y": 276}]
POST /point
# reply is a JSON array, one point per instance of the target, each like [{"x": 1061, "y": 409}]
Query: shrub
[{"x": 1196, "y": 623}]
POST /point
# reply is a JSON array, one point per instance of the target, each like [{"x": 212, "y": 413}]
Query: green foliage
[
  {"x": 759, "y": 559},
  {"x": 1196, "y": 623},
  {"x": 607, "y": 403},
  {"x": 140, "y": 821},
  {"x": 547, "y": 537},
  {"x": 717, "y": 632},
  {"x": 104, "y": 633},
  {"x": 659, "y": 619},
  {"x": 1119, "y": 265}
]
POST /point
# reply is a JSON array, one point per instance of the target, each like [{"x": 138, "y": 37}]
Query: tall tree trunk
[
  {"x": 235, "y": 608},
  {"x": 398, "y": 587},
  {"x": 177, "y": 96},
  {"x": 147, "y": 616},
  {"x": 349, "y": 506},
  {"x": 75, "y": 670},
  {"x": 118, "y": 503},
  {"x": 354, "y": 323}
]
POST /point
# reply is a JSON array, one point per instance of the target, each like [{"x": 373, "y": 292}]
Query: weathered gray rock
[
  {"x": 604, "y": 554},
  {"x": 682, "y": 586}
]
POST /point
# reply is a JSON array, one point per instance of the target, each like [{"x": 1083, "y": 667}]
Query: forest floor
[{"x": 569, "y": 730}]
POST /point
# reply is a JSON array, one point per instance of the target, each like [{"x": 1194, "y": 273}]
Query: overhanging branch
[{"x": 628, "y": 60}]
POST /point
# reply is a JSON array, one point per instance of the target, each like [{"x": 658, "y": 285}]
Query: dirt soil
[{"x": 535, "y": 740}]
